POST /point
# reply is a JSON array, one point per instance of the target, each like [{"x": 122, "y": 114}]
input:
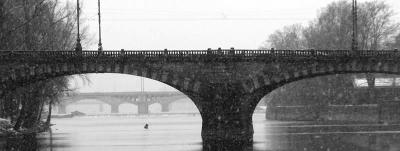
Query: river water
[{"x": 182, "y": 132}]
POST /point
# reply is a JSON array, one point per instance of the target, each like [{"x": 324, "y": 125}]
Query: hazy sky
[
  {"x": 116, "y": 83},
  {"x": 197, "y": 24},
  {"x": 190, "y": 24}
]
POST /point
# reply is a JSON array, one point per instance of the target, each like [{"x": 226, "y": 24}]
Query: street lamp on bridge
[
  {"x": 78, "y": 47},
  {"x": 100, "y": 48},
  {"x": 354, "y": 44}
]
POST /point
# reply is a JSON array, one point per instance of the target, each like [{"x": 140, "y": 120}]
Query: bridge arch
[
  {"x": 128, "y": 108},
  {"x": 265, "y": 82},
  {"x": 30, "y": 74},
  {"x": 155, "y": 108}
]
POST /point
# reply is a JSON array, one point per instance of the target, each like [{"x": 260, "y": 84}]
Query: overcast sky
[{"x": 190, "y": 24}]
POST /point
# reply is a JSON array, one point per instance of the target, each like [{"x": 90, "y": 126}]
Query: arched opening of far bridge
[{"x": 126, "y": 94}]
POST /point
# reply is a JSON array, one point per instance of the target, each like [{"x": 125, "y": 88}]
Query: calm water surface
[{"x": 182, "y": 132}]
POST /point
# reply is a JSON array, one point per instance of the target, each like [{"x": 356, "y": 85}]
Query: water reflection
[
  {"x": 185, "y": 136},
  {"x": 226, "y": 146},
  {"x": 288, "y": 142},
  {"x": 353, "y": 142},
  {"x": 337, "y": 139},
  {"x": 31, "y": 142},
  {"x": 22, "y": 143}
]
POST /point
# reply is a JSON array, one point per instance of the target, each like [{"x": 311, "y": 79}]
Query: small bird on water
[{"x": 146, "y": 126}]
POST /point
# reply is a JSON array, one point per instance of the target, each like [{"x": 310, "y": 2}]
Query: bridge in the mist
[
  {"x": 142, "y": 99},
  {"x": 225, "y": 85}
]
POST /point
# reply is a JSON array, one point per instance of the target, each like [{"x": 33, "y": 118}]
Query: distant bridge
[{"x": 142, "y": 99}]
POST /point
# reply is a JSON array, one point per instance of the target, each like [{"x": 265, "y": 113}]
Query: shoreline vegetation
[
  {"x": 7, "y": 127},
  {"x": 36, "y": 25},
  {"x": 7, "y": 130}
]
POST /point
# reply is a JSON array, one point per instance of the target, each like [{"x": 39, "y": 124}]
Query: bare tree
[
  {"x": 289, "y": 38},
  {"x": 36, "y": 25},
  {"x": 333, "y": 28},
  {"x": 396, "y": 43},
  {"x": 376, "y": 25}
]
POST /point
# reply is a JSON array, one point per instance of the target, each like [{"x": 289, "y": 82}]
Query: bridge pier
[
  {"x": 143, "y": 108},
  {"x": 101, "y": 108},
  {"x": 62, "y": 109},
  {"x": 114, "y": 108},
  {"x": 165, "y": 107},
  {"x": 227, "y": 117},
  {"x": 226, "y": 126}
]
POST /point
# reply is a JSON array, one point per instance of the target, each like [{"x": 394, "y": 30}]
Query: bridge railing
[{"x": 196, "y": 53}]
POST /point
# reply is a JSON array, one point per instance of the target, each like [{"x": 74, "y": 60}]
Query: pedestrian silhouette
[{"x": 146, "y": 126}]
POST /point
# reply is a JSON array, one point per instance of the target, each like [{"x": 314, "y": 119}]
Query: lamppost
[
  {"x": 100, "y": 48},
  {"x": 354, "y": 44},
  {"x": 78, "y": 47}
]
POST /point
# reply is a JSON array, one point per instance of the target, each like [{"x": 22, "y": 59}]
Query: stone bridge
[
  {"x": 225, "y": 85},
  {"x": 142, "y": 99}
]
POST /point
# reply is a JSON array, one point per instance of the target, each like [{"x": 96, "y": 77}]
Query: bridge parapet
[{"x": 191, "y": 54}]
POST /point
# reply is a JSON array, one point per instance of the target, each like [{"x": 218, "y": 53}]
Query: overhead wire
[
  {"x": 167, "y": 15},
  {"x": 201, "y": 19}
]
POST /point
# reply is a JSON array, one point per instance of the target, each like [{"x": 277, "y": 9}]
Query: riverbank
[
  {"x": 7, "y": 130},
  {"x": 5, "y": 127},
  {"x": 384, "y": 113}
]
